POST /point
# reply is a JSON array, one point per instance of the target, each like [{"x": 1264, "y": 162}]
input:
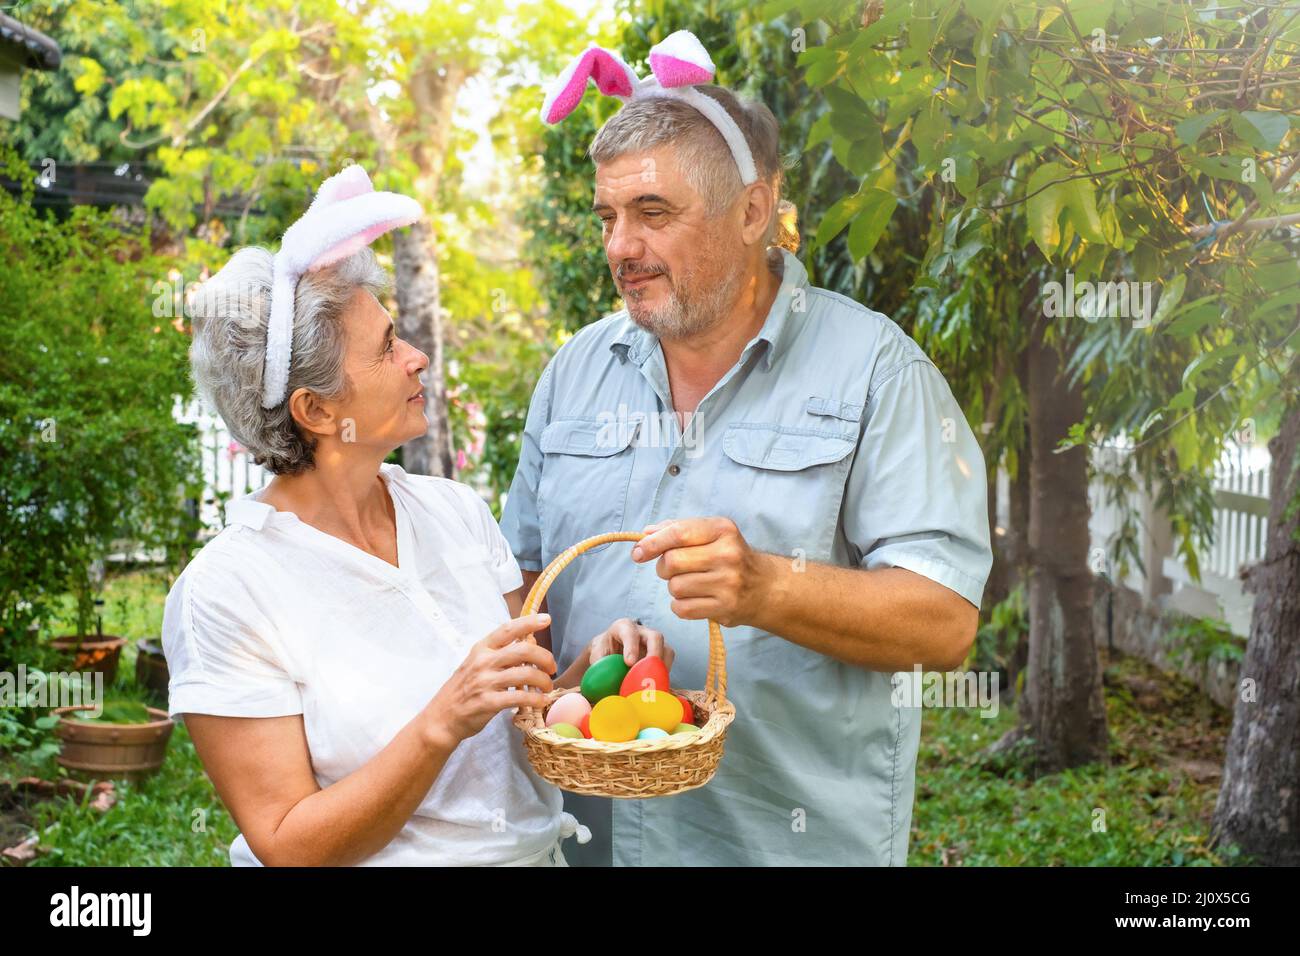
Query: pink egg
[{"x": 569, "y": 709}]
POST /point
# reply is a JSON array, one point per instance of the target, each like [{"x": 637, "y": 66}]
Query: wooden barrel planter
[
  {"x": 129, "y": 751},
  {"x": 100, "y": 652},
  {"x": 151, "y": 666}
]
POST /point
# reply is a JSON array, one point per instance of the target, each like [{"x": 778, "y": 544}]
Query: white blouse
[{"x": 275, "y": 617}]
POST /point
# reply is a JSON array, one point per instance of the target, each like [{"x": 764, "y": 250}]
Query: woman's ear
[{"x": 312, "y": 415}]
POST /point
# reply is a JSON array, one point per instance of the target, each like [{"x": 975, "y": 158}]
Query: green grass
[
  {"x": 1157, "y": 794},
  {"x": 173, "y": 818}
]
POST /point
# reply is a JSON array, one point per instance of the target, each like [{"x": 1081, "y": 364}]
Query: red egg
[
  {"x": 649, "y": 673},
  {"x": 688, "y": 712},
  {"x": 585, "y": 725}
]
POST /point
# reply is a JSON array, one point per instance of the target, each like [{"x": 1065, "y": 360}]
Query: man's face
[{"x": 677, "y": 269}]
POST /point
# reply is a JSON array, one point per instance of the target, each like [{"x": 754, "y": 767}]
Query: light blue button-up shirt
[{"x": 832, "y": 439}]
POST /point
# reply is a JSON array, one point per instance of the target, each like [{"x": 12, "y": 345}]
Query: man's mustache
[{"x": 626, "y": 270}]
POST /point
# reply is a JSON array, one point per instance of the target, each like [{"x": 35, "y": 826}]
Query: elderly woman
[{"x": 346, "y": 653}]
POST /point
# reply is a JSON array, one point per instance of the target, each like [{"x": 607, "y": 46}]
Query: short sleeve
[
  {"x": 520, "y": 522},
  {"x": 504, "y": 565},
  {"x": 220, "y": 651},
  {"x": 917, "y": 495}
]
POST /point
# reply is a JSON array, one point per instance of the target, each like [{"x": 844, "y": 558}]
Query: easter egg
[
  {"x": 584, "y": 725},
  {"x": 655, "y": 708},
  {"x": 567, "y": 730},
  {"x": 649, "y": 673},
  {"x": 688, "y": 712},
  {"x": 568, "y": 709},
  {"x": 685, "y": 729},
  {"x": 604, "y": 678},
  {"x": 651, "y": 733},
  {"x": 613, "y": 719}
]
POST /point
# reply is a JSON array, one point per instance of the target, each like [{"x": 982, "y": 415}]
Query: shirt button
[{"x": 674, "y": 470}]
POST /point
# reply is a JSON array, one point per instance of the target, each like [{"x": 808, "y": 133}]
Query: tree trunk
[
  {"x": 419, "y": 321},
  {"x": 1015, "y": 543},
  {"x": 1062, "y": 710},
  {"x": 1259, "y": 801},
  {"x": 423, "y": 139}
]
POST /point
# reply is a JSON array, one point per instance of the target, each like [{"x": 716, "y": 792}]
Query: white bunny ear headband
[
  {"x": 346, "y": 215},
  {"x": 677, "y": 64}
]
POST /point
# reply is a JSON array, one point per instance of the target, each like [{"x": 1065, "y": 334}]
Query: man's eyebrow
[{"x": 638, "y": 201}]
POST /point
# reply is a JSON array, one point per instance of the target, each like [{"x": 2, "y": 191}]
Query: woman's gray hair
[
  {"x": 705, "y": 159},
  {"x": 230, "y": 313}
]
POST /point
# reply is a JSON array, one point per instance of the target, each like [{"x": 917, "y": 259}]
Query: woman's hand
[
  {"x": 505, "y": 669},
  {"x": 625, "y": 635}
]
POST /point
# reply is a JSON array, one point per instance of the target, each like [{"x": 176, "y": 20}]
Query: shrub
[{"x": 90, "y": 454}]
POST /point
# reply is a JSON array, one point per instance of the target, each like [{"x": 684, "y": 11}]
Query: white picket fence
[
  {"x": 228, "y": 470},
  {"x": 1241, "y": 482}
]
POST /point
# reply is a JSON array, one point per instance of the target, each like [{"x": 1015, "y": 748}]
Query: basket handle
[{"x": 715, "y": 681}]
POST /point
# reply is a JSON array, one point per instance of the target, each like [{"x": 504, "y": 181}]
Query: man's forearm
[{"x": 887, "y": 619}]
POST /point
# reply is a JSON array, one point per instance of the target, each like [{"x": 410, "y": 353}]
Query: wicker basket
[{"x": 637, "y": 768}]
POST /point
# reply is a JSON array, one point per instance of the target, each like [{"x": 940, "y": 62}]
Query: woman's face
[{"x": 386, "y": 404}]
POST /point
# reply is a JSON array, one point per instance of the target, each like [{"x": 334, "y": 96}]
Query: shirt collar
[
  {"x": 254, "y": 513},
  {"x": 637, "y": 344}
]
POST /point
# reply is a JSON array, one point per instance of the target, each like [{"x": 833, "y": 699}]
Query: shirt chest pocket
[
  {"x": 783, "y": 485},
  {"x": 585, "y": 476}
]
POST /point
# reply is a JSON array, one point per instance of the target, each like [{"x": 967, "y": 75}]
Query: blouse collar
[{"x": 251, "y": 512}]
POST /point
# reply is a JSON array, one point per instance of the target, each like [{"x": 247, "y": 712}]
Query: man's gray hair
[
  {"x": 230, "y": 313},
  {"x": 705, "y": 159}
]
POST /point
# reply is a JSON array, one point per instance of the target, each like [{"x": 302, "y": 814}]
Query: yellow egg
[
  {"x": 614, "y": 720},
  {"x": 655, "y": 708}
]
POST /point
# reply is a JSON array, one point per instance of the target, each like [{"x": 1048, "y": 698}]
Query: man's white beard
[{"x": 689, "y": 314}]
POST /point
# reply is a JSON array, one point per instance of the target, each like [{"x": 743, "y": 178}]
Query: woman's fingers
[
  {"x": 517, "y": 629},
  {"x": 517, "y": 698},
  {"x": 521, "y": 652},
  {"x": 523, "y": 677}
]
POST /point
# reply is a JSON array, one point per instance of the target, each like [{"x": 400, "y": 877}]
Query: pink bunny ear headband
[
  {"x": 677, "y": 64},
  {"x": 346, "y": 215}
]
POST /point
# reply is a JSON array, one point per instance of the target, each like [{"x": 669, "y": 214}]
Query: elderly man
[{"x": 809, "y": 482}]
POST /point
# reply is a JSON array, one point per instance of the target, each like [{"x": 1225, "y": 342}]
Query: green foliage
[
  {"x": 1204, "y": 641},
  {"x": 1023, "y": 141},
  {"x": 976, "y": 810},
  {"x": 89, "y": 452},
  {"x": 173, "y": 818},
  {"x": 999, "y": 636}
]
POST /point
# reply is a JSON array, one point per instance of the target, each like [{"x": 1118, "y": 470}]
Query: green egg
[
  {"x": 604, "y": 678},
  {"x": 567, "y": 730},
  {"x": 685, "y": 729}
]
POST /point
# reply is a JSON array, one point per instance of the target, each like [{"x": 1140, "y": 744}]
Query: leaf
[
  {"x": 1081, "y": 198},
  {"x": 1261, "y": 130},
  {"x": 869, "y": 223},
  {"x": 1044, "y": 205},
  {"x": 1207, "y": 359},
  {"x": 819, "y": 132},
  {"x": 1190, "y": 129},
  {"x": 1170, "y": 295},
  {"x": 837, "y": 217},
  {"x": 850, "y": 116},
  {"x": 1195, "y": 318}
]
